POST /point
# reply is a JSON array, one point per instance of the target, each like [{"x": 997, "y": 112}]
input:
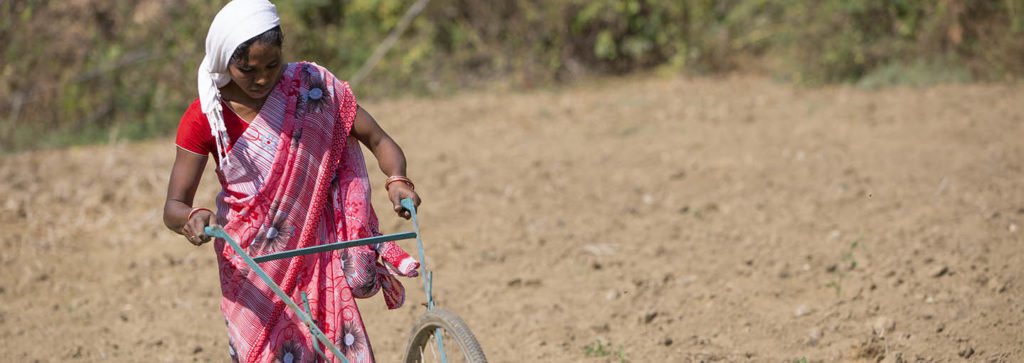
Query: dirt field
[{"x": 641, "y": 220}]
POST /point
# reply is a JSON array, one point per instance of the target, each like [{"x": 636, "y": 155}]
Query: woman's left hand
[{"x": 399, "y": 191}]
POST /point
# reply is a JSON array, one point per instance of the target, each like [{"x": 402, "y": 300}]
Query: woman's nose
[{"x": 263, "y": 78}]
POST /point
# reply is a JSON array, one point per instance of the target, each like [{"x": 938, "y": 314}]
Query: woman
[{"x": 284, "y": 136}]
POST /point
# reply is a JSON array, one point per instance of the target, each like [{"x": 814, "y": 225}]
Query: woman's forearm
[
  {"x": 181, "y": 188},
  {"x": 390, "y": 157},
  {"x": 175, "y": 214}
]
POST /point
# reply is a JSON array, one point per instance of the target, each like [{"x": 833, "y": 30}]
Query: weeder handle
[
  {"x": 408, "y": 205},
  {"x": 214, "y": 232}
]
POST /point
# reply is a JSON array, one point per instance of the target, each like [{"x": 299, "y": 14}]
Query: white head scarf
[{"x": 238, "y": 21}]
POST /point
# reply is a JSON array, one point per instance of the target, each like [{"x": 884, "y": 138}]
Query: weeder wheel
[{"x": 459, "y": 343}]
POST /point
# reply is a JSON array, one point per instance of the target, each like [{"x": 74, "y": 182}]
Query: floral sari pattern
[{"x": 311, "y": 189}]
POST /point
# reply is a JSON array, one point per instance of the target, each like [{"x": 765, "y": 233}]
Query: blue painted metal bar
[
  {"x": 440, "y": 345},
  {"x": 317, "y": 333},
  {"x": 335, "y": 246},
  {"x": 304, "y": 314},
  {"x": 424, "y": 270},
  {"x": 428, "y": 276},
  {"x": 305, "y": 305}
]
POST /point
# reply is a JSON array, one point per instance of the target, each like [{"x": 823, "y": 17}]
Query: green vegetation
[
  {"x": 848, "y": 262},
  {"x": 601, "y": 349},
  {"x": 90, "y": 70}
]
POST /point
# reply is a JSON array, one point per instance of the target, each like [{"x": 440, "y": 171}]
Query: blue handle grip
[{"x": 408, "y": 205}]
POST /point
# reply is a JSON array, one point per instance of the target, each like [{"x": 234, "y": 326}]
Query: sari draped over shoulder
[{"x": 297, "y": 178}]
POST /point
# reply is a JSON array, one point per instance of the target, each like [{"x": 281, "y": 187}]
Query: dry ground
[{"x": 646, "y": 220}]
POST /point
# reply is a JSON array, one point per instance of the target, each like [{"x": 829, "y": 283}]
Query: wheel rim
[{"x": 429, "y": 352}]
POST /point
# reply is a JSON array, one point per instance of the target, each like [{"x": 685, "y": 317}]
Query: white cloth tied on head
[{"x": 238, "y": 21}]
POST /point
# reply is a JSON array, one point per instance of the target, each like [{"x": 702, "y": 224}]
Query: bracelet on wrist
[
  {"x": 193, "y": 212},
  {"x": 398, "y": 178}
]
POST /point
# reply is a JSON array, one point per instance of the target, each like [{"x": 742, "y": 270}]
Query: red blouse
[{"x": 194, "y": 130}]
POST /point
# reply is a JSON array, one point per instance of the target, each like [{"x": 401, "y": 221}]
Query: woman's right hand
[
  {"x": 194, "y": 229},
  {"x": 179, "y": 215}
]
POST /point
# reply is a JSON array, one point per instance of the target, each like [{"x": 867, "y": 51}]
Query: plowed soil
[{"x": 641, "y": 219}]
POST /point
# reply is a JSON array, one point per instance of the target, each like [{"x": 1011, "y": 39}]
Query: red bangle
[
  {"x": 395, "y": 178},
  {"x": 194, "y": 210}
]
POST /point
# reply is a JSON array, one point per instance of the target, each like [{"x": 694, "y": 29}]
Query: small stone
[
  {"x": 1012, "y": 228},
  {"x": 666, "y": 342},
  {"x": 197, "y": 350},
  {"x": 686, "y": 280},
  {"x": 814, "y": 336},
  {"x": 783, "y": 272},
  {"x": 599, "y": 249},
  {"x": 802, "y": 310},
  {"x": 981, "y": 280},
  {"x": 894, "y": 357},
  {"x": 883, "y": 325},
  {"x": 940, "y": 328},
  {"x": 649, "y": 317},
  {"x": 966, "y": 351},
  {"x": 1000, "y": 287},
  {"x": 939, "y": 271},
  {"x": 611, "y": 295},
  {"x": 648, "y": 199}
]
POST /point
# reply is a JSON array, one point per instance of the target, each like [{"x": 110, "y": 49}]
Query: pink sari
[{"x": 297, "y": 178}]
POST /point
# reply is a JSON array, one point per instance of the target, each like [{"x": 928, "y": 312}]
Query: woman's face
[{"x": 259, "y": 74}]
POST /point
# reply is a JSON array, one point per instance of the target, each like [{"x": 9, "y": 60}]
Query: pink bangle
[
  {"x": 193, "y": 212},
  {"x": 395, "y": 178}
]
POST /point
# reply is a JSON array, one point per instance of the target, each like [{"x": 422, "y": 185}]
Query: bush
[{"x": 89, "y": 70}]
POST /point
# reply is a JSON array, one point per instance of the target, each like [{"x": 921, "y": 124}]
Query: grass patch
[
  {"x": 599, "y": 349},
  {"x": 848, "y": 262},
  {"x": 918, "y": 73}
]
